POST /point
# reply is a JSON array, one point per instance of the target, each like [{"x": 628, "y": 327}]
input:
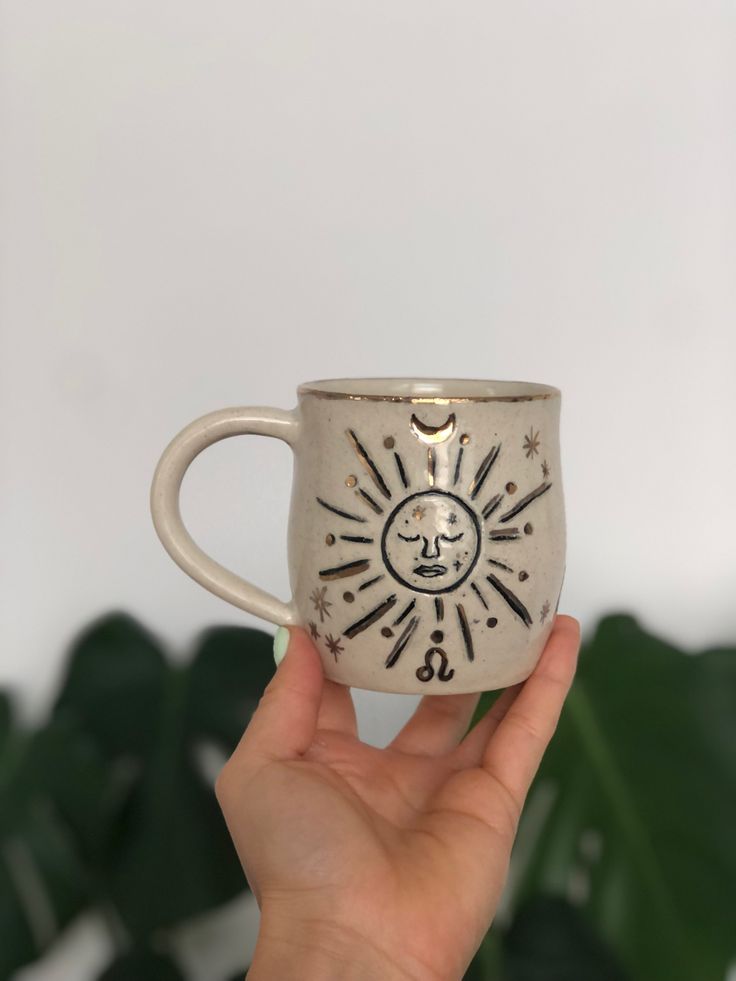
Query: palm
[
  {"x": 406, "y": 847},
  {"x": 385, "y": 833}
]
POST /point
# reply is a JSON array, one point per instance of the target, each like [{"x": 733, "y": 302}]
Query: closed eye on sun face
[
  {"x": 452, "y": 538},
  {"x": 413, "y": 538}
]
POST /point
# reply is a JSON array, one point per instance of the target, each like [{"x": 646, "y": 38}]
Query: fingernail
[{"x": 280, "y": 644}]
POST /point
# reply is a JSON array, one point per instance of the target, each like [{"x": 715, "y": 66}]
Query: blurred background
[{"x": 205, "y": 204}]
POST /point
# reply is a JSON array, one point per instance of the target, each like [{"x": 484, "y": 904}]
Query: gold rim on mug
[{"x": 437, "y": 391}]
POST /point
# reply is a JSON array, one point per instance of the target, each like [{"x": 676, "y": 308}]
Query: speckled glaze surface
[{"x": 426, "y": 540}]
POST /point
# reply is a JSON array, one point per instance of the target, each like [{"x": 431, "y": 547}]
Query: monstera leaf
[
  {"x": 50, "y": 782},
  {"x": 624, "y": 869},
  {"x": 633, "y": 812},
  {"x": 550, "y": 940},
  {"x": 142, "y": 965},
  {"x": 166, "y": 727}
]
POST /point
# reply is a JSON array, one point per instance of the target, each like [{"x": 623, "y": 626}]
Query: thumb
[{"x": 285, "y": 721}]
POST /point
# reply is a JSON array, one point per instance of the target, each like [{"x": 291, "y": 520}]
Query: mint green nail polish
[{"x": 280, "y": 643}]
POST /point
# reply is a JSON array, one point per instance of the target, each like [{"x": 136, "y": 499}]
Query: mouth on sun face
[{"x": 430, "y": 571}]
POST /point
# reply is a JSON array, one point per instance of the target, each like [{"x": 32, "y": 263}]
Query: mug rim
[{"x": 424, "y": 389}]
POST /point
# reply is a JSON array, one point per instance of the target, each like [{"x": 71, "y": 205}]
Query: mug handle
[{"x": 165, "y": 488}]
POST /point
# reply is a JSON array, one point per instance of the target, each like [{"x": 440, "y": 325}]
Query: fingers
[
  {"x": 440, "y": 721},
  {"x": 337, "y": 711},
  {"x": 471, "y": 749},
  {"x": 516, "y": 747},
  {"x": 285, "y": 720},
  {"x": 437, "y": 724}
]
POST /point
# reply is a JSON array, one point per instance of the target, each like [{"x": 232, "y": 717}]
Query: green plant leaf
[
  {"x": 477, "y": 971},
  {"x": 550, "y": 940},
  {"x": 487, "y": 965},
  {"x": 5, "y": 720},
  {"x": 44, "y": 880},
  {"x": 166, "y": 725},
  {"x": 230, "y": 669},
  {"x": 142, "y": 965},
  {"x": 115, "y": 686},
  {"x": 638, "y": 822}
]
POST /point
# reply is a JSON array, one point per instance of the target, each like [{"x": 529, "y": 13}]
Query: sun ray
[
  {"x": 343, "y": 514},
  {"x": 431, "y": 464},
  {"x": 342, "y": 571},
  {"x": 357, "y": 538},
  {"x": 457, "y": 466},
  {"x": 504, "y": 534},
  {"x": 371, "y": 502},
  {"x": 500, "y": 565},
  {"x": 370, "y": 618},
  {"x": 402, "y": 471},
  {"x": 465, "y": 628},
  {"x": 525, "y": 501},
  {"x": 480, "y": 595},
  {"x": 439, "y": 608},
  {"x": 401, "y": 643},
  {"x": 492, "y": 505},
  {"x": 405, "y": 613},
  {"x": 372, "y": 470},
  {"x": 371, "y": 582},
  {"x": 482, "y": 472},
  {"x": 511, "y": 599}
]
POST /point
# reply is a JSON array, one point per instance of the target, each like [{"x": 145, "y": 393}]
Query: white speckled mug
[{"x": 426, "y": 531}]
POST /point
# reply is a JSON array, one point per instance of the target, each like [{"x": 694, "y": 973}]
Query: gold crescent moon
[{"x": 433, "y": 434}]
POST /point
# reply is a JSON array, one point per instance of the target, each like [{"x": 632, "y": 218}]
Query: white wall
[{"x": 206, "y": 203}]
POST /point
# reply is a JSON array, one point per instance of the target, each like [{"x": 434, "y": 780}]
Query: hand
[{"x": 383, "y": 863}]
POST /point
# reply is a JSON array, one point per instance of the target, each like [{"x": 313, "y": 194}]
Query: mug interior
[{"x": 427, "y": 389}]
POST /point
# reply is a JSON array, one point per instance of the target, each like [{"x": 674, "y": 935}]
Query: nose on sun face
[{"x": 431, "y": 551}]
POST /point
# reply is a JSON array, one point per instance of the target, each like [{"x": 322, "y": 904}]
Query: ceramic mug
[{"x": 426, "y": 536}]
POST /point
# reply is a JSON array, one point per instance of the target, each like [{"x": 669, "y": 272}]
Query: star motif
[
  {"x": 452, "y": 519},
  {"x": 531, "y": 442},
  {"x": 333, "y": 645},
  {"x": 457, "y": 563},
  {"x": 545, "y": 469},
  {"x": 418, "y": 512},
  {"x": 545, "y": 611},
  {"x": 321, "y": 603},
  {"x": 313, "y": 630}
]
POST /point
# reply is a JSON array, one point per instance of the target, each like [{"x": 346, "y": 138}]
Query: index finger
[{"x": 515, "y": 749}]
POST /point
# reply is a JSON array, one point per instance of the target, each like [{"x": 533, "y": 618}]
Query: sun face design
[
  {"x": 435, "y": 561},
  {"x": 431, "y": 541}
]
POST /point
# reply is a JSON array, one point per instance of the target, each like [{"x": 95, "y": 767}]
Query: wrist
[{"x": 313, "y": 950}]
